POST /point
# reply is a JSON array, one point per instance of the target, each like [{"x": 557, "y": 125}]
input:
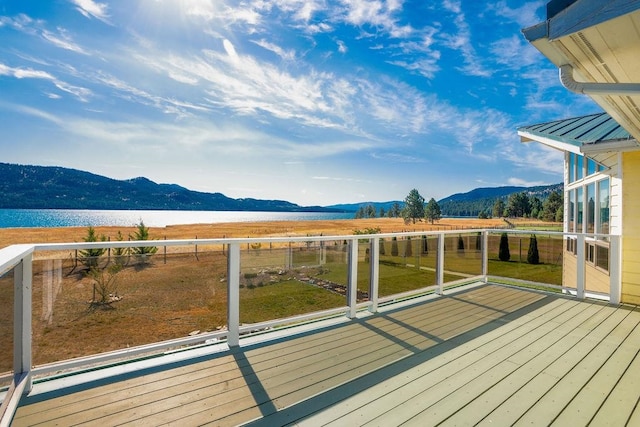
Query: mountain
[
  {"x": 482, "y": 199},
  {"x": 44, "y": 187},
  {"x": 465, "y": 204}
]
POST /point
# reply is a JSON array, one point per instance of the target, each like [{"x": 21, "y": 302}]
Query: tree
[
  {"x": 518, "y": 205},
  {"x": 382, "y": 213},
  {"x": 370, "y": 211},
  {"x": 408, "y": 250},
  {"x": 432, "y": 212},
  {"x": 360, "y": 212},
  {"x": 394, "y": 246},
  {"x": 142, "y": 233},
  {"x": 120, "y": 254},
  {"x": 395, "y": 211},
  {"x": 498, "y": 209},
  {"x": 90, "y": 257},
  {"x": 551, "y": 206},
  {"x": 460, "y": 245},
  {"x": 533, "y": 257},
  {"x": 413, "y": 206},
  {"x": 503, "y": 251},
  {"x": 536, "y": 206}
]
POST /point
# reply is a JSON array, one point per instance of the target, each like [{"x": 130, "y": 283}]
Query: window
[
  {"x": 579, "y": 209},
  {"x": 572, "y": 167},
  {"x": 591, "y": 167},
  {"x": 572, "y": 210},
  {"x": 603, "y": 207},
  {"x": 602, "y": 257},
  {"x": 591, "y": 208},
  {"x": 579, "y": 168}
]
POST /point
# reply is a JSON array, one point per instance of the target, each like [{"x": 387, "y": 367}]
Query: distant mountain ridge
[
  {"x": 51, "y": 187},
  {"x": 470, "y": 203}
]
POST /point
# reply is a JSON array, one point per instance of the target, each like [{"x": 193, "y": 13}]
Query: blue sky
[{"x": 311, "y": 101}]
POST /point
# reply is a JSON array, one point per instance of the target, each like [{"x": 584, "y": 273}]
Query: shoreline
[{"x": 336, "y": 227}]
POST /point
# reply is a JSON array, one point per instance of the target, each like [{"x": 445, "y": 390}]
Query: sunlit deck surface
[{"x": 489, "y": 354}]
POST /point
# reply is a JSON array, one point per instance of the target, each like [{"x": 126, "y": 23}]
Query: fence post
[
  {"x": 374, "y": 266},
  {"x": 580, "y": 267},
  {"x": 22, "y": 281},
  {"x": 485, "y": 255},
  {"x": 352, "y": 286},
  {"x": 615, "y": 274},
  {"x": 440, "y": 264},
  {"x": 233, "y": 295}
]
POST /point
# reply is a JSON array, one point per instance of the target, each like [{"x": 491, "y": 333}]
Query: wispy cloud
[
  {"x": 63, "y": 40},
  {"x": 90, "y": 8}
]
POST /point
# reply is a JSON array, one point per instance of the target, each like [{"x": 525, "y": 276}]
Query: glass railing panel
[
  {"x": 6, "y": 328},
  {"x": 517, "y": 258},
  {"x": 406, "y": 264},
  {"x": 463, "y": 256},
  {"x": 284, "y": 280},
  {"x": 84, "y": 306}
]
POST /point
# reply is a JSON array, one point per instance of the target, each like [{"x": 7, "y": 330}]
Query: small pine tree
[
  {"x": 425, "y": 245},
  {"x": 394, "y": 246},
  {"x": 120, "y": 254},
  {"x": 90, "y": 257},
  {"x": 382, "y": 247},
  {"x": 142, "y": 233},
  {"x": 533, "y": 257},
  {"x": 479, "y": 242},
  {"x": 503, "y": 251},
  {"x": 460, "y": 245},
  {"x": 408, "y": 251}
]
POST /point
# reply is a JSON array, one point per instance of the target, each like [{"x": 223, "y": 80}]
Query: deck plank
[
  {"x": 488, "y": 355},
  {"x": 429, "y": 392}
]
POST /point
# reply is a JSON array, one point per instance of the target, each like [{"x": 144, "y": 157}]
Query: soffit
[{"x": 607, "y": 52}]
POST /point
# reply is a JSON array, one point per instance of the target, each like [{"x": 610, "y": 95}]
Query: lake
[{"x": 16, "y": 218}]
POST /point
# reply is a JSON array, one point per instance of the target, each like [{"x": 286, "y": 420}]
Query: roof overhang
[
  {"x": 592, "y": 134},
  {"x": 600, "y": 40}
]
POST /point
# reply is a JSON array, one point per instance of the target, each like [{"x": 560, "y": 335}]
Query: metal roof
[{"x": 578, "y": 131}]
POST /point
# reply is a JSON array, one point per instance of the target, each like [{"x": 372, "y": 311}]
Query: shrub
[
  {"x": 394, "y": 246},
  {"x": 408, "y": 251},
  {"x": 503, "y": 252},
  {"x": 460, "y": 245},
  {"x": 90, "y": 257},
  {"x": 533, "y": 257},
  {"x": 142, "y": 233}
]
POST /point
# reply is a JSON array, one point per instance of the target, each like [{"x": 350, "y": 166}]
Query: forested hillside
[{"x": 39, "y": 187}]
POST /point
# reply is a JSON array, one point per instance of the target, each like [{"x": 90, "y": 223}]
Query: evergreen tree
[
  {"x": 360, "y": 213},
  {"x": 413, "y": 207},
  {"x": 533, "y": 257},
  {"x": 394, "y": 246},
  {"x": 408, "y": 250},
  {"x": 395, "y": 211},
  {"x": 432, "y": 212},
  {"x": 90, "y": 257},
  {"x": 518, "y": 205},
  {"x": 120, "y": 254},
  {"x": 503, "y": 251},
  {"x": 460, "y": 245},
  {"x": 370, "y": 211},
  {"x": 425, "y": 245},
  {"x": 382, "y": 213},
  {"x": 536, "y": 206},
  {"x": 551, "y": 206},
  {"x": 498, "y": 208},
  {"x": 142, "y": 233},
  {"x": 382, "y": 252}
]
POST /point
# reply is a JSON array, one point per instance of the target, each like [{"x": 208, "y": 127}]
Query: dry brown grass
[
  {"x": 166, "y": 300},
  {"x": 9, "y": 236}
]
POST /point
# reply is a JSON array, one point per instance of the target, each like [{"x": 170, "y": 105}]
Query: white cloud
[
  {"x": 525, "y": 15},
  {"x": 90, "y": 8},
  {"x": 288, "y": 55},
  {"x": 63, "y": 41}
]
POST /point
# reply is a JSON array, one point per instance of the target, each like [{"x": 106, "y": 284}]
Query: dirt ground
[{"x": 9, "y": 236}]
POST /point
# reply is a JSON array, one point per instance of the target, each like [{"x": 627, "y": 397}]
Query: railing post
[
  {"x": 580, "y": 267},
  {"x": 374, "y": 277},
  {"x": 352, "y": 287},
  {"x": 440, "y": 265},
  {"x": 615, "y": 282},
  {"x": 485, "y": 255},
  {"x": 233, "y": 295},
  {"x": 22, "y": 280}
]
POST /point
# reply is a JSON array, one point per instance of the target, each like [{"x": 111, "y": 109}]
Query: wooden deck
[{"x": 490, "y": 355}]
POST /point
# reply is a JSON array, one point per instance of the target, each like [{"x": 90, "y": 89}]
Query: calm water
[{"x": 14, "y": 218}]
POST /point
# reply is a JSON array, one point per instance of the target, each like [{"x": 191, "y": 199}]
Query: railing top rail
[{"x": 11, "y": 255}]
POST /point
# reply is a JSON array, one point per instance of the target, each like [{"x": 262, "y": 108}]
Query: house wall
[
  {"x": 631, "y": 228},
  {"x": 597, "y": 280}
]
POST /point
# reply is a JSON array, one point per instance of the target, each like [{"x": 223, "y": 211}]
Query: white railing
[{"x": 19, "y": 259}]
